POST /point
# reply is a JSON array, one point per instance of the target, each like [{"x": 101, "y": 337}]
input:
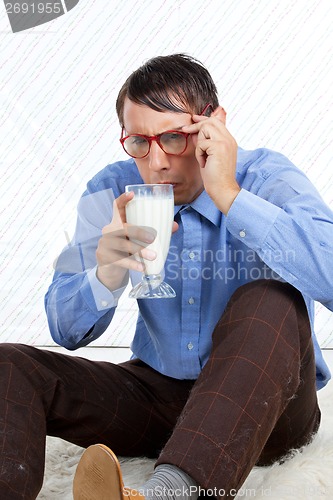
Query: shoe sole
[{"x": 98, "y": 475}]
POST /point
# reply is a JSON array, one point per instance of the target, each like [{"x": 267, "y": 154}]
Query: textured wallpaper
[{"x": 61, "y": 66}]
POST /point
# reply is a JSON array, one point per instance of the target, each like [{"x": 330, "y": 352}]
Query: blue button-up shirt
[{"x": 278, "y": 227}]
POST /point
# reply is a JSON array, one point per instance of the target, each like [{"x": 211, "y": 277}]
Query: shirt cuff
[
  {"x": 104, "y": 298},
  {"x": 250, "y": 219}
]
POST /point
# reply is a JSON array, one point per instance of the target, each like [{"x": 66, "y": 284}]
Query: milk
[{"x": 155, "y": 211}]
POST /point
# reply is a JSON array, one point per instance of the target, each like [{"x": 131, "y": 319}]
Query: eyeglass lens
[{"x": 170, "y": 142}]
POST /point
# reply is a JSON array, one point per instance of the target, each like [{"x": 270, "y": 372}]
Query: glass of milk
[{"x": 152, "y": 206}]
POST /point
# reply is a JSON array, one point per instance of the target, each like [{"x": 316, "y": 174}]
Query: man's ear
[{"x": 220, "y": 113}]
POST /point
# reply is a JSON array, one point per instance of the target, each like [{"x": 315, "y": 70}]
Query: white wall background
[{"x": 272, "y": 61}]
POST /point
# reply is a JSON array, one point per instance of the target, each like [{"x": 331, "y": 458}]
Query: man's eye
[
  {"x": 137, "y": 140},
  {"x": 172, "y": 137}
]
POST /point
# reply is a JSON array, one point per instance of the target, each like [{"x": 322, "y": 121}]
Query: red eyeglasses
[{"x": 172, "y": 142}]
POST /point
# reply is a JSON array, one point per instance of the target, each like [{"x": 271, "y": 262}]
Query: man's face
[{"x": 183, "y": 172}]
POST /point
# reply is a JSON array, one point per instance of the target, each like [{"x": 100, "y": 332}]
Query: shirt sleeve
[
  {"x": 286, "y": 222},
  {"x": 73, "y": 315}
]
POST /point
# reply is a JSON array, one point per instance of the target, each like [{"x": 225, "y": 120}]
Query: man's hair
[{"x": 177, "y": 83}]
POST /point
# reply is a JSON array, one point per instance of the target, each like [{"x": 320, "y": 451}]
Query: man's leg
[
  {"x": 128, "y": 407},
  {"x": 256, "y": 397}
]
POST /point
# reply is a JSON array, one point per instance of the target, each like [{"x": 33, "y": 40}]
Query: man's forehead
[{"x": 142, "y": 119}]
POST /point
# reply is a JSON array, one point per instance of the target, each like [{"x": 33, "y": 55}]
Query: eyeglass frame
[{"x": 157, "y": 137}]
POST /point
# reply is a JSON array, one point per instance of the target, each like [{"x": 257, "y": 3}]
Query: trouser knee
[
  {"x": 20, "y": 371},
  {"x": 269, "y": 301}
]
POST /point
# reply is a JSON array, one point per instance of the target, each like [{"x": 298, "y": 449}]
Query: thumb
[{"x": 119, "y": 205}]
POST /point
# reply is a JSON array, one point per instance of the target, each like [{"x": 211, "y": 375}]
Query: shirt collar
[{"x": 205, "y": 206}]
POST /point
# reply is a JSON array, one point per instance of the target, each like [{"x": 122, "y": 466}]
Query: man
[{"x": 224, "y": 375}]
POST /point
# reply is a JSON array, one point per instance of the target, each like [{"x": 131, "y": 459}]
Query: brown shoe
[{"x": 98, "y": 477}]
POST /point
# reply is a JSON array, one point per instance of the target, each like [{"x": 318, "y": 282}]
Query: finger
[
  {"x": 129, "y": 263},
  {"x": 218, "y": 113},
  {"x": 120, "y": 250},
  {"x": 194, "y": 127},
  {"x": 120, "y": 203},
  {"x": 129, "y": 240},
  {"x": 202, "y": 152},
  {"x": 121, "y": 256},
  {"x": 145, "y": 234},
  {"x": 203, "y": 126}
]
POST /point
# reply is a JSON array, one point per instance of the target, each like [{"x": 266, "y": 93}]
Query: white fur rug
[{"x": 305, "y": 476}]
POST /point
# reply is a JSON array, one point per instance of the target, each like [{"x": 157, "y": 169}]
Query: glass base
[{"x": 152, "y": 287}]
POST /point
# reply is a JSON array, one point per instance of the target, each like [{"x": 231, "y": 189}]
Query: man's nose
[{"x": 158, "y": 159}]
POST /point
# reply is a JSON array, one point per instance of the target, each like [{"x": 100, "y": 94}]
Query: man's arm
[
  {"x": 92, "y": 272},
  {"x": 283, "y": 216},
  {"x": 285, "y": 221}
]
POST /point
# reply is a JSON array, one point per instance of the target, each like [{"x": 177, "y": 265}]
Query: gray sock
[{"x": 170, "y": 483}]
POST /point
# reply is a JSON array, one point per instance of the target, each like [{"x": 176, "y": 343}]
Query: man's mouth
[{"x": 174, "y": 184}]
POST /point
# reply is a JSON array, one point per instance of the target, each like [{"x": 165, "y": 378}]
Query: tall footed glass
[{"x": 152, "y": 206}]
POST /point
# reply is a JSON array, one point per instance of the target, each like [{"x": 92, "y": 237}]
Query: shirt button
[
  {"x": 242, "y": 233},
  {"x": 104, "y": 303},
  {"x": 191, "y": 255},
  {"x": 191, "y": 300},
  {"x": 190, "y": 346}
]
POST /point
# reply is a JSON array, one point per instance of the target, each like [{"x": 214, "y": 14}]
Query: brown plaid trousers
[{"x": 253, "y": 402}]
